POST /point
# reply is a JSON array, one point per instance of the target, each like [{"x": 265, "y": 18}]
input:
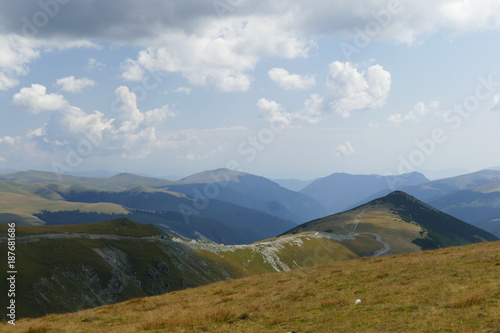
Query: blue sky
[{"x": 285, "y": 89}]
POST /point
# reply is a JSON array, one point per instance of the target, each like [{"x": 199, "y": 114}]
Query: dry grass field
[{"x": 449, "y": 290}]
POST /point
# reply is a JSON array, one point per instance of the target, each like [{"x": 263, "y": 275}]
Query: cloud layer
[{"x": 219, "y": 44}]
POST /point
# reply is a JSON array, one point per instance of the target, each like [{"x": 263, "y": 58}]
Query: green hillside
[
  {"x": 448, "y": 290},
  {"x": 404, "y": 222},
  {"x": 67, "y": 268}
]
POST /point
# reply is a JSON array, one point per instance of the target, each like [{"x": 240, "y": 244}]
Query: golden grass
[
  {"x": 375, "y": 219},
  {"x": 451, "y": 290}
]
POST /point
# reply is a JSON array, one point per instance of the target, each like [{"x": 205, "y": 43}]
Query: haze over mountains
[
  {"x": 340, "y": 190},
  {"x": 243, "y": 208}
]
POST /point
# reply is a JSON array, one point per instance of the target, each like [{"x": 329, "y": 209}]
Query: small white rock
[{"x": 357, "y": 301}]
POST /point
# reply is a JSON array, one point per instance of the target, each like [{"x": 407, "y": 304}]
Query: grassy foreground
[{"x": 449, "y": 290}]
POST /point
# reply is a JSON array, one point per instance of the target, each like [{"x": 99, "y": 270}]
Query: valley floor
[{"x": 450, "y": 290}]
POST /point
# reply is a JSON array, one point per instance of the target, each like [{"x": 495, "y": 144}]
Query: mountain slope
[
  {"x": 218, "y": 221},
  {"x": 340, "y": 190},
  {"x": 451, "y": 290},
  {"x": 402, "y": 221},
  {"x": 481, "y": 209},
  {"x": 67, "y": 268},
  {"x": 437, "y": 188},
  {"x": 292, "y": 184},
  {"x": 117, "y": 182},
  {"x": 250, "y": 225},
  {"x": 252, "y": 192}
]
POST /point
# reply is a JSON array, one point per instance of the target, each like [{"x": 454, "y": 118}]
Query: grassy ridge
[
  {"x": 447, "y": 290},
  {"x": 71, "y": 267},
  {"x": 122, "y": 227},
  {"x": 404, "y": 222}
]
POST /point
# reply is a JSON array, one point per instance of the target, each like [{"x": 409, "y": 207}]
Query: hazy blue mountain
[
  {"x": 473, "y": 198},
  {"x": 252, "y": 192},
  {"x": 340, "y": 191},
  {"x": 187, "y": 216},
  {"x": 99, "y": 173},
  {"x": 437, "y": 188},
  {"x": 293, "y": 184},
  {"x": 481, "y": 209}
]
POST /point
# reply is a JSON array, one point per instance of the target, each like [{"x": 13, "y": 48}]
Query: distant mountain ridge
[
  {"x": 243, "y": 189},
  {"x": 339, "y": 191},
  {"x": 473, "y": 197},
  {"x": 252, "y": 192}
]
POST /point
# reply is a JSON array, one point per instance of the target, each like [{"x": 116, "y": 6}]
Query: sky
[{"x": 283, "y": 89}]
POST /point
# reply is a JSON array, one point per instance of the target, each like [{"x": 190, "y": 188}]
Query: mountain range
[
  {"x": 231, "y": 201},
  {"x": 71, "y": 267}
]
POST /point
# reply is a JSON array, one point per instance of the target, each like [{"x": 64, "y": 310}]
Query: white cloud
[
  {"x": 419, "y": 111},
  {"x": 495, "y": 103},
  {"x": 35, "y": 99},
  {"x": 15, "y": 53},
  {"x": 8, "y": 139},
  {"x": 221, "y": 53},
  {"x": 291, "y": 81},
  {"x": 131, "y": 70},
  {"x": 183, "y": 90},
  {"x": 2, "y": 159},
  {"x": 73, "y": 85},
  {"x": 6, "y": 82},
  {"x": 407, "y": 20},
  {"x": 93, "y": 63},
  {"x": 344, "y": 149},
  {"x": 131, "y": 133},
  {"x": 354, "y": 90},
  {"x": 276, "y": 113},
  {"x": 313, "y": 109}
]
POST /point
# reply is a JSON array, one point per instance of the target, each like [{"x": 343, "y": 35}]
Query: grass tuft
[{"x": 468, "y": 302}]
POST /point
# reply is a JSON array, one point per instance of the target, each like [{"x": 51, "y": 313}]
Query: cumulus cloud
[
  {"x": 217, "y": 49},
  {"x": 15, "y": 54},
  {"x": 419, "y": 111},
  {"x": 291, "y": 81},
  {"x": 354, "y": 90},
  {"x": 74, "y": 85},
  {"x": 274, "y": 112},
  {"x": 221, "y": 55},
  {"x": 35, "y": 99},
  {"x": 344, "y": 149},
  {"x": 130, "y": 133}
]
